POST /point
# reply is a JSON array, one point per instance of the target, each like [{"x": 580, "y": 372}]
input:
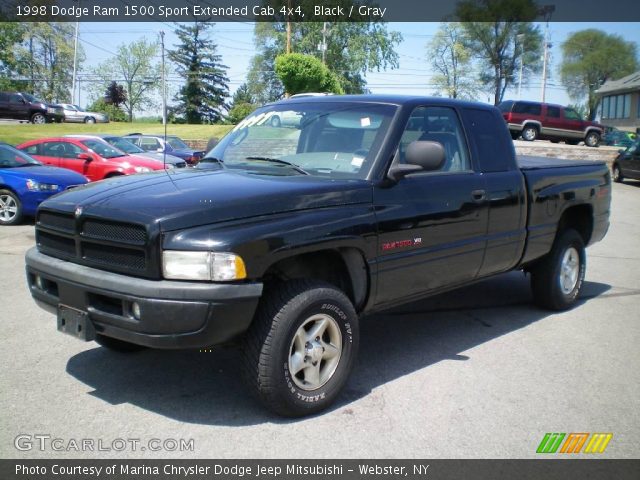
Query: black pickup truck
[{"x": 287, "y": 233}]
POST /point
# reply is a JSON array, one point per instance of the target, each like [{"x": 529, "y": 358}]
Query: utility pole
[
  {"x": 520, "y": 38},
  {"x": 288, "y": 27},
  {"x": 323, "y": 45},
  {"x": 546, "y": 11},
  {"x": 75, "y": 63},
  {"x": 164, "y": 85}
]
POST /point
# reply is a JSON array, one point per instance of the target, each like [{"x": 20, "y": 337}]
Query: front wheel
[
  {"x": 89, "y": 120},
  {"x": 10, "y": 208},
  {"x": 38, "y": 118},
  {"x": 557, "y": 280},
  {"x": 301, "y": 347},
  {"x": 617, "y": 174}
]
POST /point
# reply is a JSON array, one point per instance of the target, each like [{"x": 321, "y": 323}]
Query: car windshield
[
  {"x": 123, "y": 144},
  {"x": 11, "y": 158},
  {"x": 327, "y": 139},
  {"x": 177, "y": 144},
  {"x": 31, "y": 98},
  {"x": 103, "y": 149}
]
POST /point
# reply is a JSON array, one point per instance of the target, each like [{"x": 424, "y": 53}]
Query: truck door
[
  {"x": 431, "y": 225},
  {"x": 493, "y": 152}
]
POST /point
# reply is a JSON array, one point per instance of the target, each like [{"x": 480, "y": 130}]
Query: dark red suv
[{"x": 546, "y": 121}]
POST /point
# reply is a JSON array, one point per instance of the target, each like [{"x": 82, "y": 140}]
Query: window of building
[{"x": 616, "y": 106}]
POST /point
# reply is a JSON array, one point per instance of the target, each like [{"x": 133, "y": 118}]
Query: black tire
[
  {"x": 592, "y": 139},
  {"x": 275, "y": 121},
  {"x": 117, "y": 345},
  {"x": 546, "y": 277},
  {"x": 89, "y": 120},
  {"x": 269, "y": 346},
  {"x": 616, "y": 173},
  {"x": 38, "y": 118},
  {"x": 530, "y": 133},
  {"x": 10, "y": 208}
]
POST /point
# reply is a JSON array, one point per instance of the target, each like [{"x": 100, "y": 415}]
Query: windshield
[
  {"x": 328, "y": 139},
  {"x": 10, "y": 158},
  {"x": 124, "y": 145},
  {"x": 103, "y": 149},
  {"x": 177, "y": 144},
  {"x": 31, "y": 98}
]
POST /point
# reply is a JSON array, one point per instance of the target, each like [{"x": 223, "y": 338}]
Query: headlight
[
  {"x": 214, "y": 266},
  {"x": 34, "y": 186},
  {"x": 142, "y": 169}
]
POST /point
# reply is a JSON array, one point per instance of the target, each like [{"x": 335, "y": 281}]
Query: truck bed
[{"x": 530, "y": 162}]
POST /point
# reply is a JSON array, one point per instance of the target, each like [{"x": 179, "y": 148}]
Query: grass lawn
[{"x": 17, "y": 133}]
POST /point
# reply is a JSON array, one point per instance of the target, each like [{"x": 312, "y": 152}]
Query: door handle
[{"x": 479, "y": 195}]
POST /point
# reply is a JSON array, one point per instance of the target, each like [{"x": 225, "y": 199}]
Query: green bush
[
  {"x": 115, "y": 113},
  {"x": 239, "y": 111}
]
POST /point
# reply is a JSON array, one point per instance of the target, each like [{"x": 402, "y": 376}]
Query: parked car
[
  {"x": 618, "y": 138},
  {"x": 92, "y": 157},
  {"x": 283, "y": 245},
  {"x": 126, "y": 146},
  {"x": 533, "y": 120},
  {"x": 627, "y": 163},
  {"x": 25, "y": 183},
  {"x": 173, "y": 145},
  {"x": 24, "y": 106},
  {"x": 75, "y": 114}
]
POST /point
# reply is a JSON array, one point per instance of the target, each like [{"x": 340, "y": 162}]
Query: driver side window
[{"x": 438, "y": 124}]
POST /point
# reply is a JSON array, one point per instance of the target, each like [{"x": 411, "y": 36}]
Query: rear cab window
[{"x": 491, "y": 145}]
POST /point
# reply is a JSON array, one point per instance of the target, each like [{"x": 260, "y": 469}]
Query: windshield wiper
[{"x": 297, "y": 168}]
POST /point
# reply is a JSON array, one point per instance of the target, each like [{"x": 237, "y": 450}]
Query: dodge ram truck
[{"x": 286, "y": 235}]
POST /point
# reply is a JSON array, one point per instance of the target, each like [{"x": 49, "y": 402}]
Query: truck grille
[{"x": 104, "y": 244}]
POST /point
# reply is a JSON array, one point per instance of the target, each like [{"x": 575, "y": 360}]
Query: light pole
[
  {"x": 164, "y": 86},
  {"x": 546, "y": 11},
  {"x": 520, "y": 38},
  {"x": 75, "y": 62}
]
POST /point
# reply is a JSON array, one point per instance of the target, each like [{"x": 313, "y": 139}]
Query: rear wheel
[
  {"x": 301, "y": 347},
  {"x": 617, "y": 173},
  {"x": 89, "y": 120},
  {"x": 529, "y": 133},
  {"x": 117, "y": 345},
  {"x": 38, "y": 118},
  {"x": 592, "y": 139},
  {"x": 275, "y": 121},
  {"x": 557, "y": 280},
  {"x": 10, "y": 208}
]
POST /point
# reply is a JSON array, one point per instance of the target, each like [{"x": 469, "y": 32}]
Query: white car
[{"x": 74, "y": 114}]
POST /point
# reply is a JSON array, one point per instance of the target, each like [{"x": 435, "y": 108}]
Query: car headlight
[
  {"x": 34, "y": 186},
  {"x": 142, "y": 169},
  {"x": 179, "y": 265}
]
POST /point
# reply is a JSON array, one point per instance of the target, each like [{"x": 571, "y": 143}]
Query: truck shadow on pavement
[{"x": 206, "y": 387}]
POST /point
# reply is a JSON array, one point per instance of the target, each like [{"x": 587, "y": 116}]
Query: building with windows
[{"x": 620, "y": 102}]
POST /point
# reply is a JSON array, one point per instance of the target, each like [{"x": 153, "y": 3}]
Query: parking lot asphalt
[{"x": 475, "y": 373}]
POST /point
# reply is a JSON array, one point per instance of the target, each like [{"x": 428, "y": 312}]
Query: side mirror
[
  {"x": 85, "y": 156},
  {"x": 421, "y": 155}
]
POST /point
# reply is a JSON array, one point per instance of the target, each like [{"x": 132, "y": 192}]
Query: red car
[
  {"x": 546, "y": 121},
  {"x": 92, "y": 157}
]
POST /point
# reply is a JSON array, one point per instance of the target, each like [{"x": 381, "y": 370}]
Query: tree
[
  {"x": 102, "y": 106},
  {"x": 451, "y": 59},
  {"x": 303, "y": 73},
  {"x": 135, "y": 67},
  {"x": 115, "y": 94},
  {"x": 45, "y": 60},
  {"x": 590, "y": 58},
  {"x": 242, "y": 95},
  {"x": 202, "y": 98},
  {"x": 497, "y": 32},
  {"x": 239, "y": 111},
  {"x": 11, "y": 36},
  {"x": 353, "y": 49}
]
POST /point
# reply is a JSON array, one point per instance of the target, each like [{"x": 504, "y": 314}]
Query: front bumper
[{"x": 173, "y": 314}]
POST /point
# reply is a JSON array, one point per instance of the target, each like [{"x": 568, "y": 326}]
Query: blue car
[
  {"x": 173, "y": 145},
  {"x": 25, "y": 183}
]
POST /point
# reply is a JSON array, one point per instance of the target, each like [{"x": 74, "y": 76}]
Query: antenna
[{"x": 164, "y": 105}]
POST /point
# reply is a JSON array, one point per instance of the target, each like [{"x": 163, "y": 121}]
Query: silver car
[{"x": 74, "y": 114}]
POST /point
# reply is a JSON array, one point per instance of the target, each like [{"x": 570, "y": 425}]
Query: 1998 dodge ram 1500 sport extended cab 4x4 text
[{"x": 284, "y": 236}]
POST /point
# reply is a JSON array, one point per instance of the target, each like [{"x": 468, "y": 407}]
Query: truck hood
[{"x": 188, "y": 198}]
